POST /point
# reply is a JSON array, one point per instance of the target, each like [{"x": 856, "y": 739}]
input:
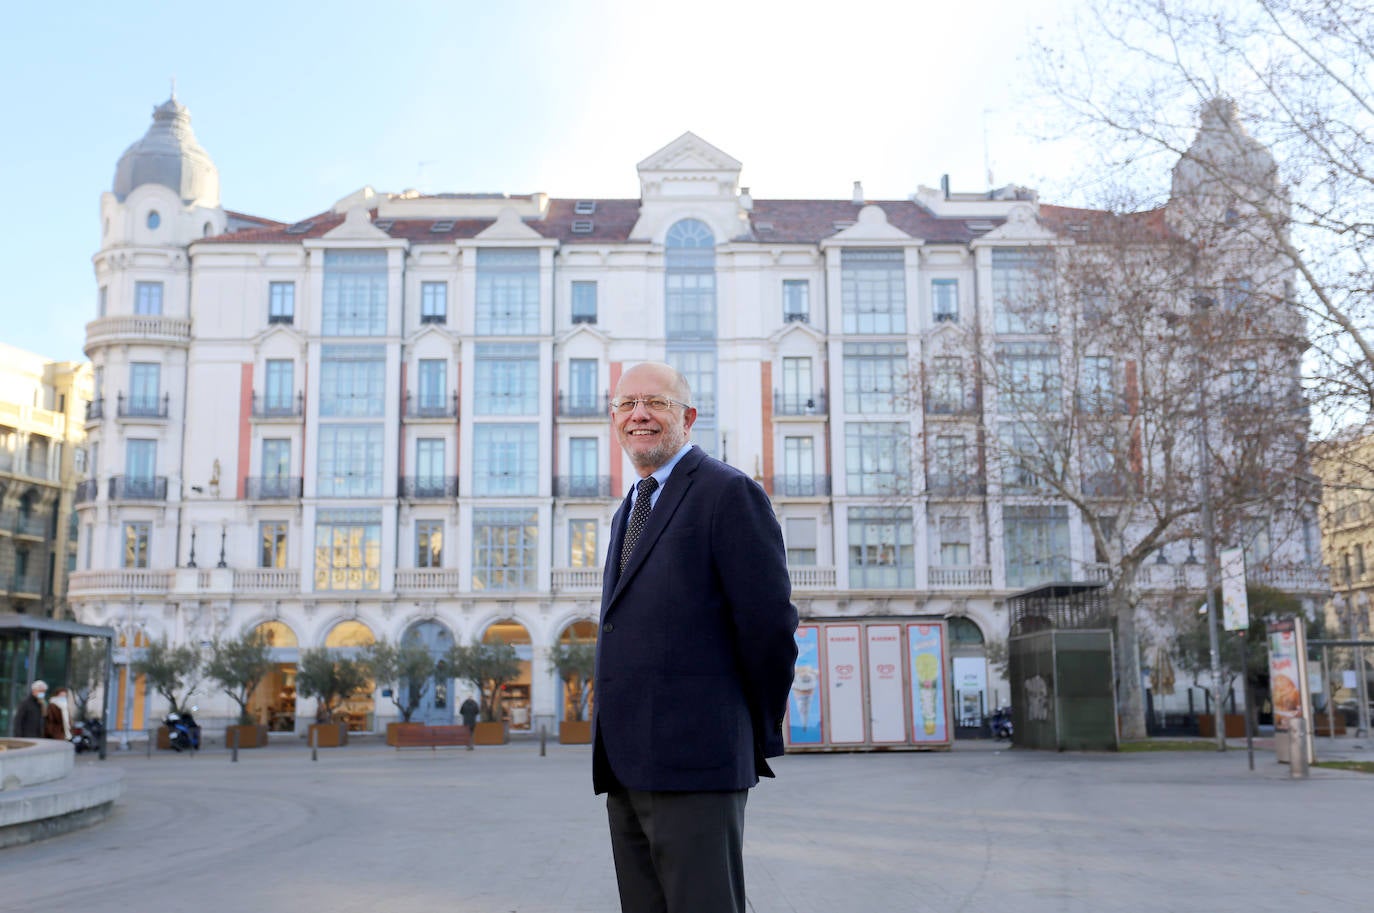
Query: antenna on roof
[
  {"x": 174, "y": 88},
  {"x": 987, "y": 159}
]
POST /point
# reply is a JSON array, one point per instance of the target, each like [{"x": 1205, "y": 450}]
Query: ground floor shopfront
[{"x": 536, "y": 698}]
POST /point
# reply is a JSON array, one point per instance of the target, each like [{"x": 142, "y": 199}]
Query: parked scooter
[
  {"x": 183, "y": 732},
  {"x": 87, "y": 735},
  {"x": 1001, "y": 724}
]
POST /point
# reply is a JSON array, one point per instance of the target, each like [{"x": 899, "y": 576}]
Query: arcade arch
[{"x": 513, "y": 703}]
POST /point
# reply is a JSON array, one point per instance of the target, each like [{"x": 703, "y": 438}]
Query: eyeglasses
[{"x": 652, "y": 403}]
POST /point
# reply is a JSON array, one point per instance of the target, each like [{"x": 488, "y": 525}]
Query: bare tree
[
  {"x": 1284, "y": 93},
  {"x": 1107, "y": 340}
]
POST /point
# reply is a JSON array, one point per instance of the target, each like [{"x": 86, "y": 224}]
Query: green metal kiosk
[{"x": 1062, "y": 668}]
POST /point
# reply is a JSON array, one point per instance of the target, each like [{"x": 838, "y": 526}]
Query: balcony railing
[
  {"x": 429, "y": 486},
  {"x": 812, "y": 486},
  {"x": 582, "y": 487},
  {"x": 272, "y": 488},
  {"x": 138, "y": 488},
  {"x": 26, "y": 585},
  {"x": 142, "y": 406},
  {"x": 33, "y": 526},
  {"x": 955, "y": 485},
  {"x": 87, "y": 490},
  {"x": 960, "y": 578},
  {"x": 267, "y": 580},
  {"x": 576, "y": 578},
  {"x": 277, "y": 407},
  {"x": 427, "y": 407},
  {"x": 124, "y": 581},
  {"x": 811, "y": 577},
  {"x": 95, "y": 410},
  {"x": 427, "y": 579},
  {"x": 799, "y": 403},
  {"x": 579, "y": 406},
  {"x": 138, "y": 328},
  {"x": 951, "y": 405}
]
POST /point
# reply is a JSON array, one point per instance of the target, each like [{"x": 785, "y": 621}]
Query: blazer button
[{"x": 608, "y": 627}]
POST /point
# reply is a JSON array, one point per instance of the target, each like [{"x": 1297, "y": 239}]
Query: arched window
[
  {"x": 964, "y": 632},
  {"x": 690, "y": 276},
  {"x": 276, "y": 634},
  {"x": 154, "y": 219},
  {"x": 349, "y": 634}
]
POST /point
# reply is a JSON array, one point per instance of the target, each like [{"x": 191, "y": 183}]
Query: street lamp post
[{"x": 1209, "y": 533}]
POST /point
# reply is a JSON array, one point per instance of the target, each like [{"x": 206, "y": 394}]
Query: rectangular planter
[
  {"x": 393, "y": 729},
  {"x": 164, "y": 738},
  {"x": 1235, "y": 726},
  {"x": 250, "y": 736},
  {"x": 490, "y": 734},
  {"x": 575, "y": 732},
  {"x": 330, "y": 735}
]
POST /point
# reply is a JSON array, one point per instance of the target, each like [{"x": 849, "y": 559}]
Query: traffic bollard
[
  {"x": 150, "y": 742},
  {"x": 314, "y": 744},
  {"x": 1297, "y": 748},
  {"x": 543, "y": 740},
  {"x": 235, "y": 757}
]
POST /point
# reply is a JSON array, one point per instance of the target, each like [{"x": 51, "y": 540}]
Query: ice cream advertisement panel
[
  {"x": 804, "y": 705},
  {"x": 928, "y": 685},
  {"x": 886, "y": 707},
  {"x": 844, "y": 684}
]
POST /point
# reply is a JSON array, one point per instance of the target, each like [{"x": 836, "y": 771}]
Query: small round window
[{"x": 154, "y": 220}]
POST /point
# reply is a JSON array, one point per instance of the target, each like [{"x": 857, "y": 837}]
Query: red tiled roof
[
  {"x": 781, "y": 221},
  {"x": 1102, "y": 225}
]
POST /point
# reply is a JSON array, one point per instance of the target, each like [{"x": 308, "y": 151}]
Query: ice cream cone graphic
[
  {"x": 803, "y": 688},
  {"x": 927, "y": 674}
]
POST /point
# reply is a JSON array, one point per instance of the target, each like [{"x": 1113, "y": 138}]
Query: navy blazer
[{"x": 695, "y": 656}]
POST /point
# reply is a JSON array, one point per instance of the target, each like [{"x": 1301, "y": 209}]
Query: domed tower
[
  {"x": 165, "y": 197},
  {"x": 1225, "y": 174}
]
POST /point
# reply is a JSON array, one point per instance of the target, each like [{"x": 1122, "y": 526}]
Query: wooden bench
[{"x": 432, "y": 737}]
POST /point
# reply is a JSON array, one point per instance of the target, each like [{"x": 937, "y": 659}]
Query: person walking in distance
[
  {"x": 29, "y": 717},
  {"x": 694, "y": 659}
]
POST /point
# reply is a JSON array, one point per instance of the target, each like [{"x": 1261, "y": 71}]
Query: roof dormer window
[{"x": 154, "y": 219}]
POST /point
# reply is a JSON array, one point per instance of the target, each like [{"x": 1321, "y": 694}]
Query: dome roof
[
  {"x": 1222, "y": 154},
  {"x": 168, "y": 154}
]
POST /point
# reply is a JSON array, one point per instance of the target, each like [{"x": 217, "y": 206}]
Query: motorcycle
[
  {"x": 87, "y": 735},
  {"x": 1001, "y": 724},
  {"x": 183, "y": 732}
]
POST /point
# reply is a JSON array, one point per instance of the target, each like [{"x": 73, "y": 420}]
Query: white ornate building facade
[{"x": 389, "y": 419}]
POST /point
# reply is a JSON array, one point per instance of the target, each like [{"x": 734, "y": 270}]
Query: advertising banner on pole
[
  {"x": 1235, "y": 606},
  {"x": 804, "y": 705},
  {"x": 844, "y": 684},
  {"x": 928, "y": 683},
  {"x": 886, "y": 694},
  {"x": 1288, "y": 685}
]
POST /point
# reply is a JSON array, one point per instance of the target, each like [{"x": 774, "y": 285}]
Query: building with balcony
[
  {"x": 388, "y": 419},
  {"x": 42, "y": 459}
]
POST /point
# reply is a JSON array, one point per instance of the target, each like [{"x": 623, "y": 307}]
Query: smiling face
[{"x": 650, "y": 439}]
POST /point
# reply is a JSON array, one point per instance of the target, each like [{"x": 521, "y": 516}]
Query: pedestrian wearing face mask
[
  {"x": 28, "y": 721},
  {"x": 56, "y": 723}
]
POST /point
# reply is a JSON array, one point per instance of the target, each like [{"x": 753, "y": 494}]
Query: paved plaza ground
[{"x": 503, "y": 830}]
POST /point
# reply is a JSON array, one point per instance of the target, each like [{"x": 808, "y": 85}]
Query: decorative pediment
[
  {"x": 1021, "y": 225},
  {"x": 796, "y": 328},
  {"x": 689, "y": 152},
  {"x": 584, "y": 331},
  {"x": 509, "y": 227},
  {"x": 276, "y": 330},
  {"x": 357, "y": 226},
  {"x": 432, "y": 329},
  {"x": 872, "y": 225}
]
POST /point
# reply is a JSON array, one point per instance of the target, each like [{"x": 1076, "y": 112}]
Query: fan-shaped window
[
  {"x": 690, "y": 233},
  {"x": 276, "y": 634},
  {"x": 154, "y": 220},
  {"x": 349, "y": 634},
  {"x": 965, "y": 632}
]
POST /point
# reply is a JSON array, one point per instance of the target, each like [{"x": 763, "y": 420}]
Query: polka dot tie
[{"x": 639, "y": 516}]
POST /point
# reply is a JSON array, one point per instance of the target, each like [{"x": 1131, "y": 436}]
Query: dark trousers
[{"x": 678, "y": 852}]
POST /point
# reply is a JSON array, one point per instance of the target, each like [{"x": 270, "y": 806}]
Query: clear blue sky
[{"x": 299, "y": 104}]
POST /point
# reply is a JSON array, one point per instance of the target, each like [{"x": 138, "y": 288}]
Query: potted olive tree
[
  {"x": 238, "y": 664},
  {"x": 488, "y": 667},
  {"x": 174, "y": 673},
  {"x": 575, "y": 662},
  {"x": 406, "y": 671},
  {"x": 331, "y": 679}
]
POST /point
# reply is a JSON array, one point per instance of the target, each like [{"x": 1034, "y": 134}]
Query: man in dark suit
[{"x": 694, "y": 660}]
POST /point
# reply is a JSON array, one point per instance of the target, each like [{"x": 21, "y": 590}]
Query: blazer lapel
[
  {"x": 610, "y": 574},
  {"x": 663, "y": 511}
]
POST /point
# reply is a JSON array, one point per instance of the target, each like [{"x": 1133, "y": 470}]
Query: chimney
[
  {"x": 746, "y": 202},
  {"x": 944, "y": 185},
  {"x": 858, "y": 198}
]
